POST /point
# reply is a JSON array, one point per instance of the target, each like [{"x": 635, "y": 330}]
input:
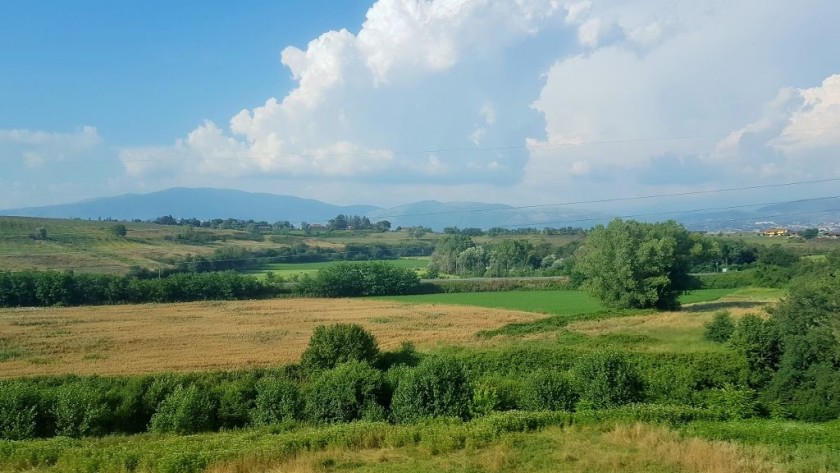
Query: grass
[
  {"x": 532, "y": 442},
  {"x": 595, "y": 449},
  {"x": 560, "y": 302},
  {"x": 564, "y": 302}
]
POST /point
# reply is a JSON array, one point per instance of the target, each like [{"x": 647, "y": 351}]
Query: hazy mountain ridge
[
  {"x": 208, "y": 203},
  {"x": 201, "y": 203}
]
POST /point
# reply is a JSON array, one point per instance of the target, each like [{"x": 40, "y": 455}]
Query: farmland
[
  {"x": 116, "y": 387},
  {"x": 206, "y": 336}
]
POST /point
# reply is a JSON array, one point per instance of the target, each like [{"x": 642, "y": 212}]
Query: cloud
[
  {"x": 532, "y": 100},
  {"x": 666, "y": 100},
  {"x": 36, "y": 148},
  {"x": 405, "y": 82},
  {"x": 815, "y": 124}
]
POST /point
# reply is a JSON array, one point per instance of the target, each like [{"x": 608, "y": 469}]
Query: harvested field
[{"x": 198, "y": 336}]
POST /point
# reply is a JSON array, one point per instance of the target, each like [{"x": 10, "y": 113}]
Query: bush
[
  {"x": 349, "y": 392},
  {"x": 278, "y": 400},
  {"x": 608, "y": 380},
  {"x": 549, "y": 391},
  {"x": 721, "y": 328},
  {"x": 185, "y": 411},
  {"x": 362, "y": 279},
  {"x": 438, "y": 387},
  {"x": 19, "y": 407},
  {"x": 235, "y": 399},
  {"x": 339, "y": 343},
  {"x": 730, "y": 402},
  {"x": 80, "y": 409}
]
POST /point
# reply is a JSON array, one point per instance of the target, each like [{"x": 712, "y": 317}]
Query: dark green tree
[
  {"x": 445, "y": 256},
  {"x": 351, "y": 391},
  {"x": 629, "y": 264},
  {"x": 438, "y": 387},
  {"x": 339, "y": 343}
]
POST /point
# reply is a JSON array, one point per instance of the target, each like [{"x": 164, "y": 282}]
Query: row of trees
[
  {"x": 356, "y": 222},
  {"x": 458, "y": 254},
  {"x": 344, "y": 279},
  {"x": 53, "y": 288}
]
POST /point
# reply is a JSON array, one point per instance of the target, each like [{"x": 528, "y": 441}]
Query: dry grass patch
[
  {"x": 680, "y": 331},
  {"x": 636, "y": 448},
  {"x": 148, "y": 338}
]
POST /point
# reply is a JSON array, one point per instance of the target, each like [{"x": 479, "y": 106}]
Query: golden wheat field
[{"x": 148, "y": 338}]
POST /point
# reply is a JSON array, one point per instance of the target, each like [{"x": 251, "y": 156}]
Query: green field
[
  {"x": 564, "y": 302},
  {"x": 287, "y": 270}
]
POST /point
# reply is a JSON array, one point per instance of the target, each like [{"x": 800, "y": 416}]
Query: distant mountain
[
  {"x": 438, "y": 215},
  {"x": 204, "y": 204},
  {"x": 201, "y": 203}
]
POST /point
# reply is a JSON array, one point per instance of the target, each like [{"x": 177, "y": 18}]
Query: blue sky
[{"x": 521, "y": 102}]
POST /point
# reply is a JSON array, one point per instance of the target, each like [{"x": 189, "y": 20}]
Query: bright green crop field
[{"x": 563, "y": 302}]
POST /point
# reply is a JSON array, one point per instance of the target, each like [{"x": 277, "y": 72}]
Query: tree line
[{"x": 53, "y": 288}]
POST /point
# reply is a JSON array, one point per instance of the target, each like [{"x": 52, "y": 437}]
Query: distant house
[
  {"x": 317, "y": 226},
  {"x": 776, "y": 232}
]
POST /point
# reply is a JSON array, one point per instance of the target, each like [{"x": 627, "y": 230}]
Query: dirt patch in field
[{"x": 219, "y": 335}]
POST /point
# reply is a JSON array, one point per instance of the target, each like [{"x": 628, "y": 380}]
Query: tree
[
  {"x": 510, "y": 256},
  {"x": 438, "y": 387},
  {"x": 339, "y": 343},
  {"x": 607, "y": 380},
  {"x": 629, "y": 264},
  {"x": 445, "y": 256},
  {"x": 472, "y": 262}
]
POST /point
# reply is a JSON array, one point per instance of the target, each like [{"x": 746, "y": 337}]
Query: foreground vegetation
[{"x": 515, "y": 441}]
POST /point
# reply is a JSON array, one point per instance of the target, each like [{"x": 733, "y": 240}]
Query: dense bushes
[
  {"x": 186, "y": 410},
  {"x": 361, "y": 279},
  {"x": 608, "y": 380},
  {"x": 547, "y": 390},
  {"x": 351, "y": 391},
  {"x": 438, "y": 387},
  {"x": 277, "y": 400}
]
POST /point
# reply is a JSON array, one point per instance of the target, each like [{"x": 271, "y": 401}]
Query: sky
[{"x": 524, "y": 102}]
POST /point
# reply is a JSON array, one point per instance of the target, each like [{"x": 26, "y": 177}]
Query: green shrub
[
  {"x": 278, "y": 400},
  {"x": 127, "y": 398},
  {"x": 80, "y": 409},
  {"x": 438, "y": 387},
  {"x": 373, "y": 278},
  {"x": 548, "y": 390},
  {"x": 235, "y": 399},
  {"x": 351, "y": 391},
  {"x": 721, "y": 328},
  {"x": 339, "y": 343},
  {"x": 185, "y": 411},
  {"x": 608, "y": 380},
  {"x": 19, "y": 408},
  {"x": 730, "y": 402}
]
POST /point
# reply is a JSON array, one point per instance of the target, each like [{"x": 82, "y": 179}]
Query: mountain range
[{"x": 209, "y": 203}]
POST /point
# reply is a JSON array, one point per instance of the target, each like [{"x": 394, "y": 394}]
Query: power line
[
  {"x": 413, "y": 152},
  {"x": 626, "y": 199},
  {"x": 599, "y": 201}
]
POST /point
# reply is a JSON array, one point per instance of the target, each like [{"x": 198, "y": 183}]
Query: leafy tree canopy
[{"x": 630, "y": 264}]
